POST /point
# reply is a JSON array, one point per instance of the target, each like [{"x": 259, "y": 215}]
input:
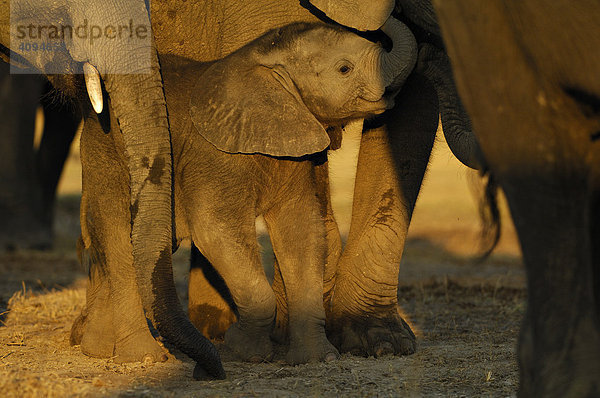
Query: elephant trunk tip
[
  {"x": 397, "y": 64},
  {"x": 202, "y": 374}
]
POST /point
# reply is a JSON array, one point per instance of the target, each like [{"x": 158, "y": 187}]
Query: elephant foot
[
  {"x": 367, "y": 335},
  {"x": 94, "y": 334},
  {"x": 251, "y": 346},
  {"x": 320, "y": 350},
  {"x": 280, "y": 334},
  {"x": 77, "y": 329},
  {"x": 139, "y": 346}
]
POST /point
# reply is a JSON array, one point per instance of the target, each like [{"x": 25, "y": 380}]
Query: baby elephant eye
[{"x": 344, "y": 69}]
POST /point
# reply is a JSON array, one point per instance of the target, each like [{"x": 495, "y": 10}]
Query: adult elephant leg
[
  {"x": 363, "y": 316},
  {"x": 21, "y": 208},
  {"x": 560, "y": 337},
  {"x": 332, "y": 232},
  {"x": 61, "y": 121},
  {"x": 93, "y": 329},
  {"x": 106, "y": 237},
  {"x": 210, "y": 307}
]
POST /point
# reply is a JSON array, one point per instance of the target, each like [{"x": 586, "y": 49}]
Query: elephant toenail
[
  {"x": 385, "y": 348},
  {"x": 148, "y": 359},
  {"x": 255, "y": 359},
  {"x": 332, "y": 356}
]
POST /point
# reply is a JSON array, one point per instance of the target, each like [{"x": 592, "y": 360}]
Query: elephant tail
[{"x": 489, "y": 214}]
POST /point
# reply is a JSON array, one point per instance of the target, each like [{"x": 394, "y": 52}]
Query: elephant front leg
[
  {"x": 93, "y": 329},
  {"x": 363, "y": 316},
  {"x": 297, "y": 231},
  {"x": 113, "y": 324},
  {"x": 334, "y": 251}
]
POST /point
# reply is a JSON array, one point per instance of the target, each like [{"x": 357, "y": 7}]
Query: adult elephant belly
[
  {"x": 214, "y": 29},
  {"x": 361, "y": 284}
]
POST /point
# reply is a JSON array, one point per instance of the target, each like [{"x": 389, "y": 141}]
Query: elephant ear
[{"x": 254, "y": 110}]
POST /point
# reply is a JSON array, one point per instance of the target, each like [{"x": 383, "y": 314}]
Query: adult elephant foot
[
  {"x": 314, "y": 349},
  {"x": 370, "y": 331},
  {"x": 102, "y": 330},
  {"x": 138, "y": 346},
  {"x": 250, "y": 344},
  {"x": 95, "y": 335},
  {"x": 93, "y": 329}
]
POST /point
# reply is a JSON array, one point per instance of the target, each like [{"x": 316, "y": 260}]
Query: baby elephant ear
[{"x": 256, "y": 110}]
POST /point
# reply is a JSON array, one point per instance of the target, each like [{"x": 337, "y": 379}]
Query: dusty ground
[{"x": 466, "y": 316}]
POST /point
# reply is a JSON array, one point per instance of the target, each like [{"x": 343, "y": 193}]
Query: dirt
[
  {"x": 466, "y": 347},
  {"x": 466, "y": 315}
]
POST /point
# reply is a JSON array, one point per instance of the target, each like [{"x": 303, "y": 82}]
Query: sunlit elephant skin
[
  {"x": 222, "y": 129},
  {"x": 29, "y": 176},
  {"x": 538, "y": 124},
  {"x": 361, "y": 286},
  {"x": 131, "y": 77}
]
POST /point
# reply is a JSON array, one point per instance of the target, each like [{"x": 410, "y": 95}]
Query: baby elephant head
[{"x": 275, "y": 95}]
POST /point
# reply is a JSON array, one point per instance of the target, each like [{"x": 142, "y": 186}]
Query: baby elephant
[{"x": 248, "y": 137}]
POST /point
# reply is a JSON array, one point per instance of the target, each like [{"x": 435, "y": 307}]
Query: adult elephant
[
  {"x": 121, "y": 60},
  {"x": 539, "y": 128},
  {"x": 29, "y": 176},
  {"x": 361, "y": 283}
]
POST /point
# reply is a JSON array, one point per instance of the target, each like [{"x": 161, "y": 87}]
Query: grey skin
[
  {"x": 538, "y": 122},
  {"x": 241, "y": 149},
  {"x": 360, "y": 283},
  {"x": 138, "y": 103},
  {"x": 29, "y": 176}
]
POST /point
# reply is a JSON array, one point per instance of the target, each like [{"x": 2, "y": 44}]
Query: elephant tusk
[{"x": 93, "y": 86}]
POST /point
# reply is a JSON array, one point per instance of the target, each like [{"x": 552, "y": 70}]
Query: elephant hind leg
[{"x": 211, "y": 308}]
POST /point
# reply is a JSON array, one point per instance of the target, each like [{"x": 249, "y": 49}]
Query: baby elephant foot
[
  {"x": 249, "y": 345},
  {"x": 94, "y": 334},
  {"x": 371, "y": 335},
  {"x": 319, "y": 350},
  {"x": 139, "y": 346}
]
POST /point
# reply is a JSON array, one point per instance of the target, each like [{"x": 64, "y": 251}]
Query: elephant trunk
[
  {"x": 357, "y": 14},
  {"x": 396, "y": 65},
  {"x": 132, "y": 79},
  {"x": 434, "y": 64}
]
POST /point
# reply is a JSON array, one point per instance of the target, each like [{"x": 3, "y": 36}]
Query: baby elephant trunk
[{"x": 396, "y": 65}]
